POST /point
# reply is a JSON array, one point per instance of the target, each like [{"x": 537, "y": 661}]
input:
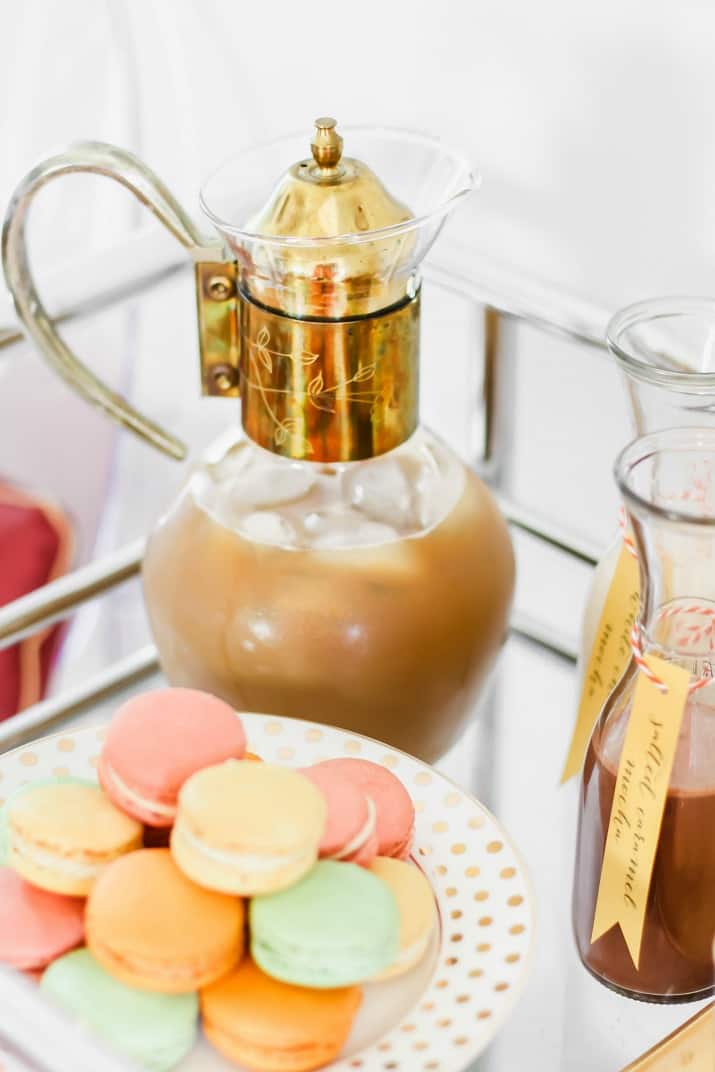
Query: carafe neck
[
  {"x": 665, "y": 349},
  {"x": 668, "y": 483},
  {"x": 682, "y": 632},
  {"x": 329, "y": 391}
]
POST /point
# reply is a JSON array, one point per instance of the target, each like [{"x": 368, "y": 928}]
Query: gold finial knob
[{"x": 327, "y": 145}]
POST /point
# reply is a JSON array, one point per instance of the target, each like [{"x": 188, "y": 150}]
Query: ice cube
[
  {"x": 269, "y": 484},
  {"x": 265, "y": 526},
  {"x": 381, "y": 490},
  {"x": 430, "y": 495},
  {"x": 332, "y": 531},
  {"x": 227, "y": 454}
]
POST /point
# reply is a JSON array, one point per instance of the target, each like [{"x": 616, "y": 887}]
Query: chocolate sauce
[{"x": 676, "y": 961}]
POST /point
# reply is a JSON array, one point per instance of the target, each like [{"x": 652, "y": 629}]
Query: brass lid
[{"x": 329, "y": 196}]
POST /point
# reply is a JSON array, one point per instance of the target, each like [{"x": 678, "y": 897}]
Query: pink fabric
[{"x": 35, "y": 547}]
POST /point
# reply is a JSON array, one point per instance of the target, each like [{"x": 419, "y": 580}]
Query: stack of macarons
[{"x": 199, "y": 883}]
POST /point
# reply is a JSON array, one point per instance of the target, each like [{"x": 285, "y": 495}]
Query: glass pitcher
[
  {"x": 668, "y": 484},
  {"x": 665, "y": 349},
  {"x": 334, "y": 560}
]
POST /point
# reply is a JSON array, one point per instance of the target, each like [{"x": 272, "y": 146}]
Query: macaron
[
  {"x": 159, "y": 739},
  {"x": 350, "y": 830},
  {"x": 269, "y": 1026},
  {"x": 61, "y": 836},
  {"x": 152, "y": 928},
  {"x": 338, "y": 926},
  {"x": 155, "y": 1030},
  {"x": 36, "y": 926},
  {"x": 58, "y": 780},
  {"x": 418, "y": 911},
  {"x": 248, "y": 828},
  {"x": 395, "y": 810}
]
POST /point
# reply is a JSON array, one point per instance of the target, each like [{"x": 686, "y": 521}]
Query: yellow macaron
[
  {"x": 418, "y": 911},
  {"x": 61, "y": 836},
  {"x": 248, "y": 828}
]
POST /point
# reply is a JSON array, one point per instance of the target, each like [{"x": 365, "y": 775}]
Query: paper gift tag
[
  {"x": 609, "y": 658},
  {"x": 690, "y": 1047},
  {"x": 639, "y": 800}
]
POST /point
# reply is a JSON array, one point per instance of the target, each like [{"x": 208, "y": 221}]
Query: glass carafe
[
  {"x": 668, "y": 484},
  {"x": 333, "y": 560},
  {"x": 350, "y": 589},
  {"x": 665, "y": 349},
  {"x": 352, "y": 594}
]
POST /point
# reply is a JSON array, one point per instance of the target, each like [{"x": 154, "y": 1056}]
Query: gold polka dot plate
[{"x": 440, "y": 1016}]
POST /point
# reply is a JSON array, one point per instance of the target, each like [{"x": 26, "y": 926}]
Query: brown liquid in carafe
[
  {"x": 676, "y": 958},
  {"x": 393, "y": 640}
]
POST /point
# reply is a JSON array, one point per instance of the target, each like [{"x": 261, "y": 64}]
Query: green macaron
[
  {"x": 155, "y": 1030},
  {"x": 338, "y": 926}
]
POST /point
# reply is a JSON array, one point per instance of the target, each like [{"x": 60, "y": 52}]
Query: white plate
[{"x": 442, "y": 1014}]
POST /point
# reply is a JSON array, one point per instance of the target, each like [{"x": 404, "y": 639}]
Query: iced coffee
[{"x": 373, "y": 596}]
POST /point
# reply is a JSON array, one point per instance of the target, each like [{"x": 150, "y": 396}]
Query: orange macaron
[
  {"x": 266, "y": 1025},
  {"x": 151, "y": 927}
]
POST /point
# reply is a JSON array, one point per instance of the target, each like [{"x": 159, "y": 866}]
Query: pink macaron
[
  {"x": 156, "y": 741},
  {"x": 395, "y": 812},
  {"x": 36, "y": 926},
  {"x": 351, "y": 827}
]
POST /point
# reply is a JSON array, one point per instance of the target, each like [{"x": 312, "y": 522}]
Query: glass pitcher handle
[{"x": 99, "y": 159}]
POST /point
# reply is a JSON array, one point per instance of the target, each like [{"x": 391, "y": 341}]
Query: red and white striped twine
[
  {"x": 692, "y": 634},
  {"x": 628, "y": 541},
  {"x": 639, "y": 654}
]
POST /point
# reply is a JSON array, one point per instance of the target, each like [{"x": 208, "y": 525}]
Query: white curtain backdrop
[{"x": 592, "y": 123}]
